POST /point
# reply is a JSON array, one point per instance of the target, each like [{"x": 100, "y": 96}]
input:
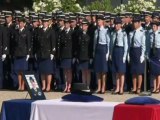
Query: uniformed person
[
  {"x": 128, "y": 22},
  {"x": 34, "y": 32},
  {"x": 155, "y": 56},
  {"x": 59, "y": 77},
  {"x": 75, "y": 35},
  {"x": 66, "y": 54},
  {"x": 119, "y": 54},
  {"x": 21, "y": 51},
  {"x": 7, "y": 63},
  {"x": 84, "y": 52},
  {"x": 46, "y": 47},
  {"x": 137, "y": 54},
  {"x": 101, "y": 53},
  {"x": 4, "y": 49}
]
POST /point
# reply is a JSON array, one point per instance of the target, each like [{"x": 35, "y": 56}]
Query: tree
[
  {"x": 137, "y": 6},
  {"x": 53, "y": 5},
  {"x": 70, "y": 6},
  {"x": 104, "y": 5},
  {"x": 46, "y": 5}
]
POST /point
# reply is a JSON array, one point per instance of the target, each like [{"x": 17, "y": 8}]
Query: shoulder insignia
[{"x": 142, "y": 30}]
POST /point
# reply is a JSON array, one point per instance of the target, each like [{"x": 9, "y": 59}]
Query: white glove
[
  {"x": 3, "y": 57},
  {"x": 107, "y": 55},
  {"x": 51, "y": 56},
  {"x": 141, "y": 59},
  {"x": 74, "y": 60},
  {"x": 27, "y": 57},
  {"x": 91, "y": 61},
  {"x": 128, "y": 58},
  {"x": 124, "y": 59},
  {"x": 110, "y": 57},
  {"x": 77, "y": 61},
  {"x": 35, "y": 56}
]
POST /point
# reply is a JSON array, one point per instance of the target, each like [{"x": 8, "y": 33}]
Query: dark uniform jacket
[
  {"x": 10, "y": 36},
  {"x": 66, "y": 43},
  {"x": 128, "y": 28},
  {"x": 75, "y": 35},
  {"x": 34, "y": 40},
  {"x": 84, "y": 50},
  {"x": 22, "y": 43},
  {"x": 91, "y": 31},
  {"x": 3, "y": 41},
  {"x": 46, "y": 43},
  {"x": 58, "y": 37}
]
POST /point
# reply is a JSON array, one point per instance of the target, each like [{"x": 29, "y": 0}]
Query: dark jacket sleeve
[
  {"x": 29, "y": 39},
  {"x": 53, "y": 42},
  {"x": 5, "y": 42}
]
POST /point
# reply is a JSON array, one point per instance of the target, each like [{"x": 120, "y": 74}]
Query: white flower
[
  {"x": 154, "y": 1},
  {"x": 137, "y": 5}
]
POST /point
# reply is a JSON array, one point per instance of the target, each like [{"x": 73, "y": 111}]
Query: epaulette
[
  {"x": 142, "y": 30},
  {"x": 124, "y": 32}
]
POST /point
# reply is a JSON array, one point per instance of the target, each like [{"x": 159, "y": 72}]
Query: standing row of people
[{"x": 100, "y": 42}]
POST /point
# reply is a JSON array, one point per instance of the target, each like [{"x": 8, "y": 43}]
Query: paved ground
[{"x": 8, "y": 95}]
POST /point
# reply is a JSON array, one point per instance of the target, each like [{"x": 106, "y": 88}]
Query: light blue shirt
[
  {"x": 139, "y": 39},
  {"x": 104, "y": 38},
  {"x": 122, "y": 40},
  {"x": 157, "y": 39},
  {"x": 151, "y": 39}
]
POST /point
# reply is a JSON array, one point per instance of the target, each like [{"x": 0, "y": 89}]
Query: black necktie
[
  {"x": 133, "y": 39},
  {"x": 116, "y": 39},
  {"x": 98, "y": 36},
  {"x": 153, "y": 44}
]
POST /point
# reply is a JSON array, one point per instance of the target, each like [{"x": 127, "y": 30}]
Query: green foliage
[
  {"x": 70, "y": 6},
  {"x": 104, "y": 5}
]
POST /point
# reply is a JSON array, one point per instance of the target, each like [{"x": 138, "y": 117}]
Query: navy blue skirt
[
  {"x": 136, "y": 67},
  {"x": 66, "y": 63},
  {"x": 20, "y": 64},
  {"x": 154, "y": 62},
  {"x": 100, "y": 63},
  {"x": 117, "y": 60},
  {"x": 46, "y": 66},
  {"x": 83, "y": 65}
]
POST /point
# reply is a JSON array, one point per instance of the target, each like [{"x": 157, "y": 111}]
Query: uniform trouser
[
  {"x": 128, "y": 77},
  {"x": 1, "y": 74},
  {"x": 32, "y": 64},
  {"x": 8, "y": 83},
  {"x": 14, "y": 76},
  {"x": 59, "y": 78},
  {"x": 76, "y": 73}
]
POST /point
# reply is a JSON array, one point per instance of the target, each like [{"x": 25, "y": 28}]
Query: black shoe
[
  {"x": 103, "y": 92},
  {"x": 138, "y": 91},
  {"x": 157, "y": 91},
  {"x": 115, "y": 93},
  {"x": 120, "y": 93},
  {"x": 98, "y": 92},
  {"x": 154, "y": 92},
  {"x": 132, "y": 92}
]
